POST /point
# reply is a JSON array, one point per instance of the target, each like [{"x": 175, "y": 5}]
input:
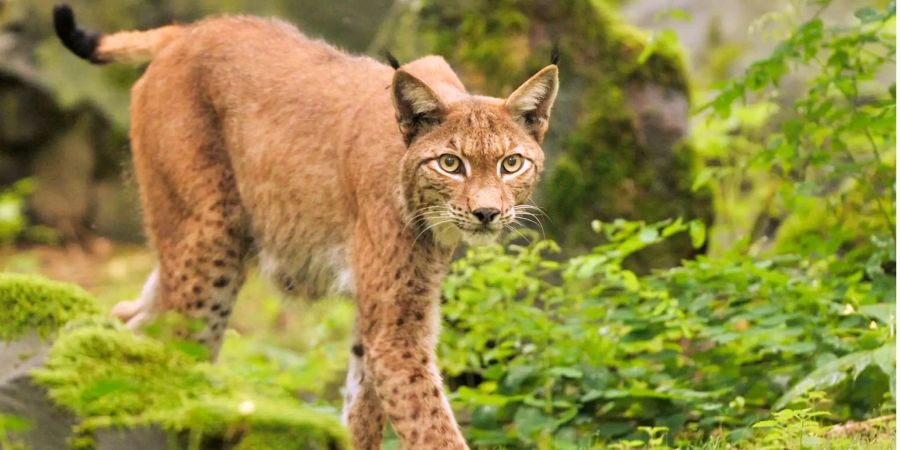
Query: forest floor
[{"x": 311, "y": 336}]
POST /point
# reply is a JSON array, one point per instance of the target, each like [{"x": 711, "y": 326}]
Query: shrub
[{"x": 564, "y": 354}]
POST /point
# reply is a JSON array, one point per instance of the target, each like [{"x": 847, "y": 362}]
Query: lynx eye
[
  {"x": 450, "y": 163},
  {"x": 512, "y": 164}
]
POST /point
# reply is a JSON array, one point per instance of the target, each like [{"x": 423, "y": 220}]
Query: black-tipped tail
[{"x": 80, "y": 42}]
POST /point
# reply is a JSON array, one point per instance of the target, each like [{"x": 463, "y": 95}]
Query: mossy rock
[
  {"x": 616, "y": 147},
  {"x": 112, "y": 379},
  {"x": 33, "y": 304}
]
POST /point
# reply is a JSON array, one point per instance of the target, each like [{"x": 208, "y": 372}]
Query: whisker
[
  {"x": 430, "y": 227},
  {"x": 429, "y": 212},
  {"x": 533, "y": 219},
  {"x": 538, "y": 223},
  {"x": 529, "y": 207},
  {"x": 429, "y": 215},
  {"x": 517, "y": 231}
]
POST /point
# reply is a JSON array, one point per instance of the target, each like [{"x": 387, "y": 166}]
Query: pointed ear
[
  {"x": 418, "y": 107},
  {"x": 530, "y": 104}
]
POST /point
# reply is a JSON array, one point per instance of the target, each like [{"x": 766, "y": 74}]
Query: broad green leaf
[
  {"x": 697, "y": 231},
  {"x": 765, "y": 424},
  {"x": 885, "y": 312},
  {"x": 867, "y": 14}
]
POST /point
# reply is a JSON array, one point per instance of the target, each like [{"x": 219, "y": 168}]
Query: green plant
[
  {"x": 794, "y": 428},
  {"x": 810, "y": 168},
  {"x": 581, "y": 352}
]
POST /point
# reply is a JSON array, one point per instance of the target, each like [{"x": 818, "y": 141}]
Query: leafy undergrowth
[
  {"x": 110, "y": 377},
  {"x": 624, "y": 352},
  {"x": 584, "y": 353}
]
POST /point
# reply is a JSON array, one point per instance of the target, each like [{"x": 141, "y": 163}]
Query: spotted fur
[{"x": 251, "y": 140}]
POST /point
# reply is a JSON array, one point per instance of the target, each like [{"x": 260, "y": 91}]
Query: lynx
[{"x": 338, "y": 174}]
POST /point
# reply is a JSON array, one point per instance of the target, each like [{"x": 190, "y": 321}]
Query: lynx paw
[{"x": 133, "y": 313}]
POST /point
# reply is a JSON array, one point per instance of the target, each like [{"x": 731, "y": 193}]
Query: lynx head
[{"x": 472, "y": 163}]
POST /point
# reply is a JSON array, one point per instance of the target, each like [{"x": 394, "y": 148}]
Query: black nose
[{"x": 486, "y": 215}]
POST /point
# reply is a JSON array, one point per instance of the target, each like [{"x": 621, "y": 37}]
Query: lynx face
[{"x": 472, "y": 165}]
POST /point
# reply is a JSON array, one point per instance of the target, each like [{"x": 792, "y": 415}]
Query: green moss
[
  {"x": 110, "y": 377},
  {"x": 32, "y": 303}
]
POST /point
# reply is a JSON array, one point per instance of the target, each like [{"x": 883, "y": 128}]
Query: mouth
[
  {"x": 478, "y": 229},
  {"x": 480, "y": 234},
  {"x": 449, "y": 230}
]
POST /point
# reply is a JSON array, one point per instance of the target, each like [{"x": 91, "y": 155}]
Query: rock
[{"x": 49, "y": 425}]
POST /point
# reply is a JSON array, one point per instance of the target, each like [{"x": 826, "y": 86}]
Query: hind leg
[
  {"x": 198, "y": 228},
  {"x": 193, "y": 214},
  {"x": 202, "y": 251},
  {"x": 201, "y": 269},
  {"x": 200, "y": 276}
]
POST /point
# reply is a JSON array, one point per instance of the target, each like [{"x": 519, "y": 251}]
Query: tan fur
[
  {"x": 136, "y": 46},
  {"x": 250, "y": 139}
]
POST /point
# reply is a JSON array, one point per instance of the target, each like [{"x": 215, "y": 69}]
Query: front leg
[
  {"x": 399, "y": 355},
  {"x": 362, "y": 414},
  {"x": 398, "y": 317}
]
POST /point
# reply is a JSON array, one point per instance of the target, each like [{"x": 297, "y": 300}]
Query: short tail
[{"x": 126, "y": 46}]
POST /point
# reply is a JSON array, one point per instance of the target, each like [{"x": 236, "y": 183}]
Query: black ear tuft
[
  {"x": 391, "y": 60},
  {"x": 80, "y": 42},
  {"x": 554, "y": 54}
]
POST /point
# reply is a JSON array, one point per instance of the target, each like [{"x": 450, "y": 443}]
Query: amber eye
[
  {"x": 512, "y": 164},
  {"x": 450, "y": 163}
]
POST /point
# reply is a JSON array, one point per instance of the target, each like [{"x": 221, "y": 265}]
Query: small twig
[{"x": 856, "y": 427}]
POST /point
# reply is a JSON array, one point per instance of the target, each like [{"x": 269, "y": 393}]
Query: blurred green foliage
[
  {"x": 12, "y": 211},
  {"x": 10, "y": 424},
  {"x": 821, "y": 173}
]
